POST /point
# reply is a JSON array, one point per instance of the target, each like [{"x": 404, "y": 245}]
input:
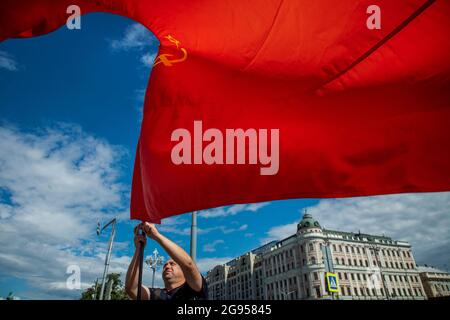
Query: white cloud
[
  {"x": 7, "y": 61},
  {"x": 207, "y": 264},
  {"x": 181, "y": 226},
  {"x": 422, "y": 219},
  {"x": 148, "y": 59},
  {"x": 54, "y": 186},
  {"x": 138, "y": 38},
  {"x": 232, "y": 210},
  {"x": 279, "y": 232},
  {"x": 211, "y": 247},
  {"x": 186, "y": 230},
  {"x": 243, "y": 227}
]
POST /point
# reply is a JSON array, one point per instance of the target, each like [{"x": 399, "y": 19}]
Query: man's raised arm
[{"x": 187, "y": 265}]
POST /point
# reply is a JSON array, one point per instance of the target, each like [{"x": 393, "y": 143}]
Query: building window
[{"x": 318, "y": 295}]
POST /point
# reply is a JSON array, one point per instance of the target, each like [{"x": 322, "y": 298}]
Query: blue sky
[{"x": 70, "y": 112}]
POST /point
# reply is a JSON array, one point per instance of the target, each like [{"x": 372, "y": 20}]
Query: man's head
[{"x": 172, "y": 273}]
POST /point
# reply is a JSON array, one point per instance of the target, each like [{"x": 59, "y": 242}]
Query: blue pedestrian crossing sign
[{"x": 332, "y": 281}]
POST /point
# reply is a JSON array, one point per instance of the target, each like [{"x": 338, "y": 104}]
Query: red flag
[{"x": 352, "y": 108}]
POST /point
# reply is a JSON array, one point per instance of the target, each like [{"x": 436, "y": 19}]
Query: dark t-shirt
[{"x": 183, "y": 292}]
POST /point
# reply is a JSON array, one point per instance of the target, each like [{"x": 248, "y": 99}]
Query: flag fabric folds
[{"x": 358, "y": 111}]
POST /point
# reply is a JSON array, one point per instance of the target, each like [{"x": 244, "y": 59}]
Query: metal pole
[
  {"x": 141, "y": 267},
  {"x": 108, "y": 256},
  {"x": 194, "y": 236},
  {"x": 383, "y": 281},
  {"x": 109, "y": 286},
  {"x": 95, "y": 289},
  {"x": 153, "y": 277}
]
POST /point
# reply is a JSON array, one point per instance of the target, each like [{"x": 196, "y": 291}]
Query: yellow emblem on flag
[{"x": 164, "y": 57}]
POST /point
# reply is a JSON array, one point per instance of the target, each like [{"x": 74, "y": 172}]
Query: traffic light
[{"x": 98, "y": 228}]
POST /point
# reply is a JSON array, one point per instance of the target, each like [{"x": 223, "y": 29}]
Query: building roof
[
  {"x": 359, "y": 235},
  {"x": 429, "y": 269},
  {"x": 308, "y": 222}
]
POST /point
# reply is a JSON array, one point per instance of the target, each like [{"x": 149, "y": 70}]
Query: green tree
[{"x": 117, "y": 292}]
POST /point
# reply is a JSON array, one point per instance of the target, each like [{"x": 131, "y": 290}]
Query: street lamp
[
  {"x": 94, "y": 294},
  {"x": 153, "y": 262},
  {"x": 383, "y": 280},
  {"x": 286, "y": 294},
  {"x": 108, "y": 255}
]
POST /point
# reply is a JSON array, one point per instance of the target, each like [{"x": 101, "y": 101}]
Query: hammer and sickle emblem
[{"x": 164, "y": 57}]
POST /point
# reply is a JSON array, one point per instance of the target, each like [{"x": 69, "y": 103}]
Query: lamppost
[
  {"x": 286, "y": 294},
  {"x": 383, "y": 280},
  {"x": 194, "y": 236},
  {"x": 108, "y": 255},
  {"x": 153, "y": 262},
  {"x": 328, "y": 262},
  {"x": 94, "y": 294}
]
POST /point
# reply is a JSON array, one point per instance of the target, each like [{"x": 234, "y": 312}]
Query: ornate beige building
[
  {"x": 367, "y": 267},
  {"x": 435, "y": 282}
]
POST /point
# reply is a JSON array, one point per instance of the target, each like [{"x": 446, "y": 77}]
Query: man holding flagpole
[{"x": 182, "y": 279}]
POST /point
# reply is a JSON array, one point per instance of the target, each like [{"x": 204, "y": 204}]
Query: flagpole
[
  {"x": 141, "y": 265},
  {"x": 194, "y": 235}
]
